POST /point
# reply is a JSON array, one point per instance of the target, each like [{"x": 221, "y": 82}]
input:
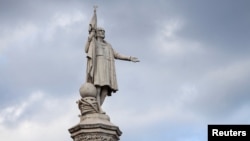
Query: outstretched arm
[
  {"x": 134, "y": 59},
  {"x": 127, "y": 58}
]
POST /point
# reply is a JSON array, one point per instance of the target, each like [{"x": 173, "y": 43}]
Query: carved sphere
[{"x": 88, "y": 90}]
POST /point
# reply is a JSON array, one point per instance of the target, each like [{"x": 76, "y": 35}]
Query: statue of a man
[{"x": 101, "y": 63}]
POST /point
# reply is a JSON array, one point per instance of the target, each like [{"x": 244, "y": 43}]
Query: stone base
[{"x": 95, "y": 127}]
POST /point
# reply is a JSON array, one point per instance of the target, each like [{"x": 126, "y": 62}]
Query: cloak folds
[
  {"x": 101, "y": 65},
  {"x": 90, "y": 49}
]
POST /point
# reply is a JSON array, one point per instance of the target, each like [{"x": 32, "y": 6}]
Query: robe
[{"x": 101, "y": 65}]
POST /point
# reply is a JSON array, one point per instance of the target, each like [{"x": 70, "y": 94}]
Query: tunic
[
  {"x": 105, "y": 74},
  {"x": 102, "y": 70}
]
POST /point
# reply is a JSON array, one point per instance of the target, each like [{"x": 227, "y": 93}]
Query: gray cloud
[{"x": 193, "y": 70}]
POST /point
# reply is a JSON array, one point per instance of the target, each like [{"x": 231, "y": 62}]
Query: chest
[{"x": 103, "y": 49}]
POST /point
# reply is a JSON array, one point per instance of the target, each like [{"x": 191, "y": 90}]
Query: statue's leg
[
  {"x": 103, "y": 95},
  {"x": 98, "y": 90},
  {"x": 99, "y": 99}
]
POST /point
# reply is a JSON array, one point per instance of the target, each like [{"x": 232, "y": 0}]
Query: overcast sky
[{"x": 194, "y": 67}]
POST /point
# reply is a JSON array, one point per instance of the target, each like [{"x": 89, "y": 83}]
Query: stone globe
[{"x": 87, "y": 90}]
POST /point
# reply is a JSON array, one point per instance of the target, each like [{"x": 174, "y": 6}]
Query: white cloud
[
  {"x": 55, "y": 129},
  {"x": 167, "y": 88},
  {"x": 170, "y": 43},
  {"x": 26, "y": 33},
  {"x": 171, "y": 27},
  {"x": 232, "y": 72},
  {"x": 50, "y": 121},
  {"x": 225, "y": 82},
  {"x": 221, "y": 93},
  {"x": 18, "y": 35},
  {"x": 12, "y": 113},
  {"x": 61, "y": 20},
  {"x": 170, "y": 111},
  {"x": 65, "y": 19}
]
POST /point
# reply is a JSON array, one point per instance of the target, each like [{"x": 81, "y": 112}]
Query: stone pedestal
[{"x": 95, "y": 127}]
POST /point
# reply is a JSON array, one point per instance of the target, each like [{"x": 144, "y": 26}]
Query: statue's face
[{"x": 101, "y": 33}]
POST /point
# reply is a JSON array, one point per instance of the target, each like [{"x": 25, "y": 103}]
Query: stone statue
[
  {"x": 95, "y": 124},
  {"x": 100, "y": 65}
]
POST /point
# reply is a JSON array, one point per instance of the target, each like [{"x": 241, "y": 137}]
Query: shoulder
[
  {"x": 108, "y": 45},
  {"x": 104, "y": 41}
]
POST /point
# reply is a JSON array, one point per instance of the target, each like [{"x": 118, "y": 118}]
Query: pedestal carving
[
  {"x": 93, "y": 137},
  {"x": 95, "y": 127}
]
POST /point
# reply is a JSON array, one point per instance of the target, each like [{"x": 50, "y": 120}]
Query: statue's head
[{"x": 100, "y": 32}]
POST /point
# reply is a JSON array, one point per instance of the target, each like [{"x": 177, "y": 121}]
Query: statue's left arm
[{"x": 123, "y": 57}]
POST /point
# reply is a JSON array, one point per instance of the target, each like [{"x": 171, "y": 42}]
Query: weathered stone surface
[
  {"x": 101, "y": 62},
  {"x": 88, "y": 105},
  {"x": 95, "y": 127},
  {"x": 94, "y": 137},
  {"x": 87, "y": 90},
  {"x": 100, "y": 82}
]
